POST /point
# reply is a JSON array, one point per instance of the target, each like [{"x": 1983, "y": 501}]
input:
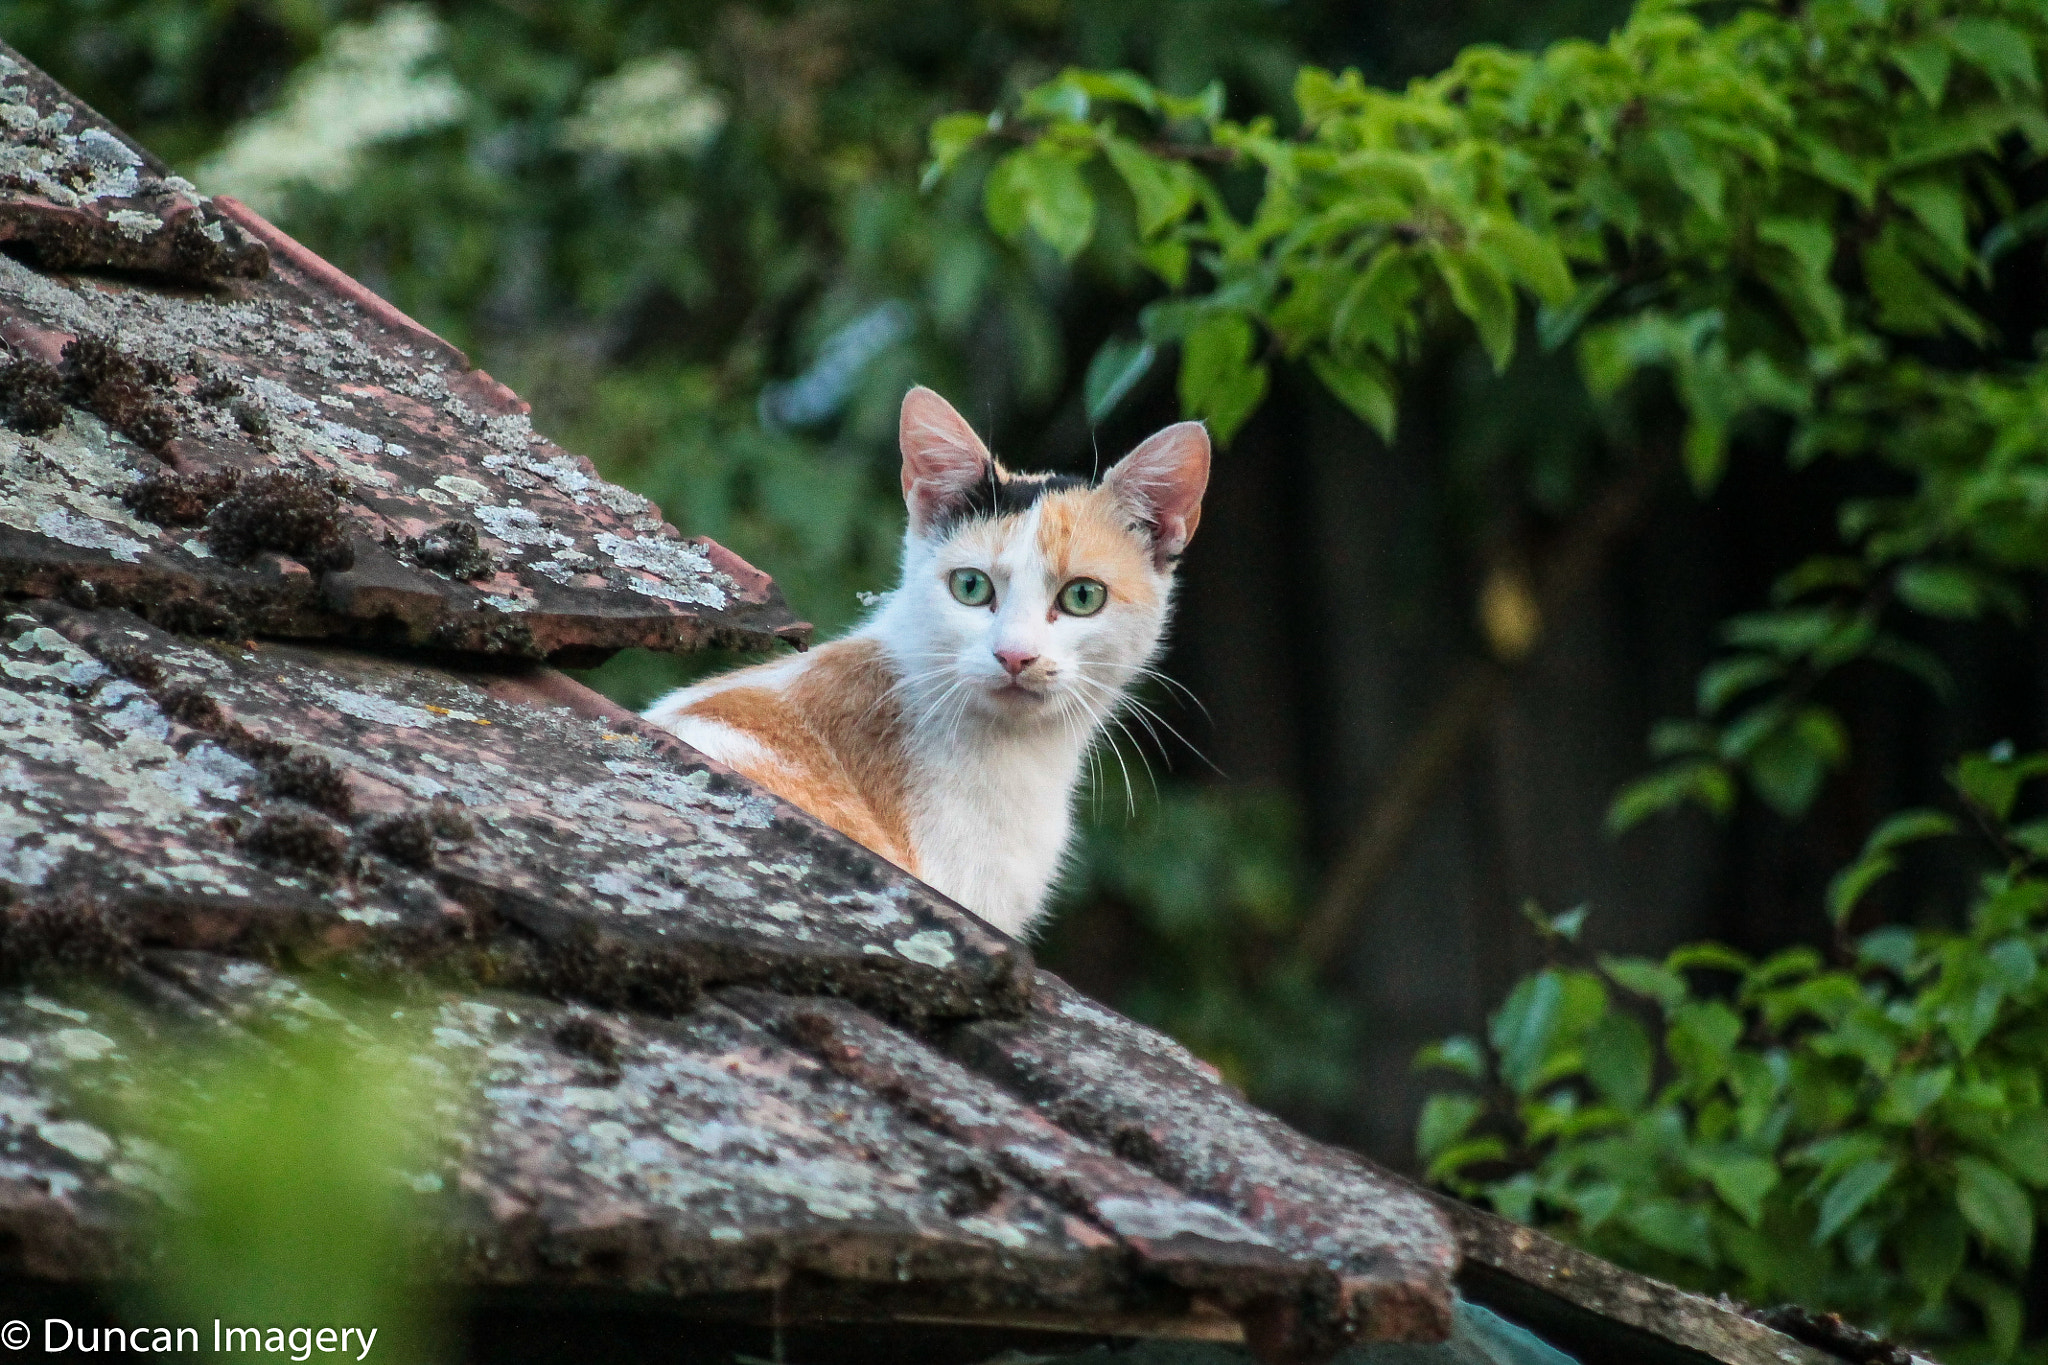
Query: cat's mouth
[{"x": 1015, "y": 693}]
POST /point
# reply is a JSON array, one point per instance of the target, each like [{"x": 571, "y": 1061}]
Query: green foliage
[
  {"x": 1868, "y": 1136},
  {"x": 294, "y": 1172},
  {"x": 1790, "y": 221},
  {"x": 294, "y": 1208}
]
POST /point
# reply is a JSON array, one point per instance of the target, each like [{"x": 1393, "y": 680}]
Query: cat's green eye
[
  {"x": 1083, "y": 597},
  {"x": 971, "y": 587}
]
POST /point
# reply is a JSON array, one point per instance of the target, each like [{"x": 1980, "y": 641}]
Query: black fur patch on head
[{"x": 1005, "y": 495}]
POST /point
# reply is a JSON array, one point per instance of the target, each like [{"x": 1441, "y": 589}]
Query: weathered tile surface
[
  {"x": 75, "y": 195},
  {"x": 271, "y": 797},
  {"x": 1186, "y": 1240},
  {"x": 1096, "y": 1073},
  {"x": 697, "y": 1155},
  {"x": 409, "y": 499}
]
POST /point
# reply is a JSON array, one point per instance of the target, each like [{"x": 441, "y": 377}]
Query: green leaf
[
  {"x": 1646, "y": 978},
  {"x": 1364, "y": 386},
  {"x": 2005, "y": 1313},
  {"x": 1909, "y": 1094},
  {"x": 1005, "y": 197},
  {"x": 1848, "y": 887},
  {"x": 1706, "y": 956},
  {"x": 1168, "y": 258},
  {"x": 1875, "y": 862},
  {"x": 2023, "y": 1147},
  {"x": 1163, "y": 191},
  {"x": 1531, "y": 258},
  {"x": 1995, "y": 1206},
  {"x": 1810, "y": 244},
  {"x": 1619, "y": 1059},
  {"x": 1993, "y": 779},
  {"x": 1846, "y": 1198},
  {"x": 1741, "y": 1179},
  {"x": 1700, "y": 1040},
  {"x": 1481, "y": 294},
  {"x": 1724, "y": 680},
  {"x": 1791, "y": 763},
  {"x": 1908, "y": 301},
  {"x": 1524, "y": 1026},
  {"x": 1041, "y": 187},
  {"x": 1937, "y": 202},
  {"x": 1703, "y": 782},
  {"x": 1460, "y": 1054},
  {"x": 1114, "y": 371},
  {"x": 1705, "y": 452},
  {"x": 1113, "y": 87},
  {"x": 953, "y": 136},
  {"x": 1944, "y": 590},
  {"x": 1670, "y": 1226},
  {"x": 1909, "y": 827},
  {"x": 1701, "y": 180},
  {"x": 1217, "y": 379},
  {"x": 1455, "y": 1159},
  {"x": 1999, "y": 50},
  {"x": 1925, "y": 62},
  {"x": 1932, "y": 1243},
  {"x": 1445, "y": 1120}
]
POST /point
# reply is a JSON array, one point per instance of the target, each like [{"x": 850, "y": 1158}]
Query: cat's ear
[
  {"x": 943, "y": 459},
  {"x": 1161, "y": 484}
]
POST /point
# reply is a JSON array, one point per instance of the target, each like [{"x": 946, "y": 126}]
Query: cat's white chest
[{"x": 990, "y": 826}]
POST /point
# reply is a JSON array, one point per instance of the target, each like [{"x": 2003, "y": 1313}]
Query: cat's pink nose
[{"x": 1015, "y": 661}]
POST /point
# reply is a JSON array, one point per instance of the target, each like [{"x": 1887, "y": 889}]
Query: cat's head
[{"x": 1035, "y": 598}]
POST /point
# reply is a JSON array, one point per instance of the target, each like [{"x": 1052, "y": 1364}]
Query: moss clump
[
  {"x": 284, "y": 510},
  {"x": 121, "y": 391},
  {"x": 453, "y": 548},
  {"x": 31, "y": 396},
  {"x": 586, "y": 1037},
  {"x": 173, "y": 499},
  {"x": 407, "y": 839},
  {"x": 251, "y": 418},
  {"x": 191, "y": 706},
  {"x": 217, "y": 389},
  {"x": 311, "y": 779},
  {"x": 136, "y": 665},
  {"x": 298, "y": 839},
  {"x": 70, "y": 934},
  {"x": 586, "y": 965}
]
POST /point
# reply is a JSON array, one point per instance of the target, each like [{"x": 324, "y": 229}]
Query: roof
[
  {"x": 404, "y": 496},
  {"x": 281, "y": 570}
]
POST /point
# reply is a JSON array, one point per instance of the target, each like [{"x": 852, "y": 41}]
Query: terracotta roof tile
[{"x": 288, "y": 454}]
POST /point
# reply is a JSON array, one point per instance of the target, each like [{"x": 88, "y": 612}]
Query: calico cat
[{"x": 947, "y": 731}]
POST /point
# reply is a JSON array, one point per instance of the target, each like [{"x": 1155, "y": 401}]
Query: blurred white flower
[
  {"x": 364, "y": 87},
  {"x": 650, "y": 106}
]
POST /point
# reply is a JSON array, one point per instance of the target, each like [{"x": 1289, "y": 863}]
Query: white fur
[
  {"x": 993, "y": 766},
  {"x": 993, "y": 776}
]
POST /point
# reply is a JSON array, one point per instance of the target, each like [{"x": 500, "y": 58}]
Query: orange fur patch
[
  {"x": 1082, "y": 534},
  {"x": 836, "y": 734}
]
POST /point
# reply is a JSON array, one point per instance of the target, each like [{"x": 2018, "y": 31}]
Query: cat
[{"x": 947, "y": 731}]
